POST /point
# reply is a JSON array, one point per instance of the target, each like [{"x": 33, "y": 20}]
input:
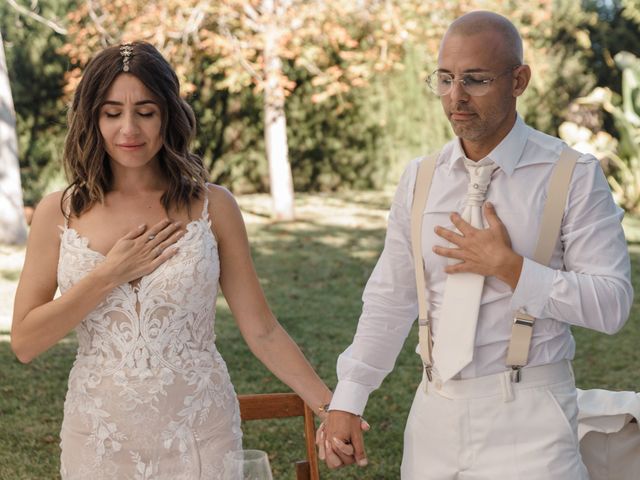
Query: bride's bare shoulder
[
  {"x": 220, "y": 198},
  {"x": 43, "y": 244},
  {"x": 224, "y": 212},
  {"x": 49, "y": 212}
]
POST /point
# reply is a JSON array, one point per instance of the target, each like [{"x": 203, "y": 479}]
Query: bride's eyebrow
[{"x": 120, "y": 104}]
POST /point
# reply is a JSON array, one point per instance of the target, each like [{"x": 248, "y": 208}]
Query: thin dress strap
[{"x": 205, "y": 207}]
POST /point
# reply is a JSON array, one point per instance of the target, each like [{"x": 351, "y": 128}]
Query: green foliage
[
  {"x": 36, "y": 74},
  {"x": 330, "y": 146},
  {"x": 558, "y": 54},
  {"x": 414, "y": 123},
  {"x": 621, "y": 154},
  {"x": 615, "y": 27},
  {"x": 230, "y": 137},
  {"x": 358, "y": 139},
  {"x": 336, "y": 143},
  {"x": 614, "y": 40},
  {"x": 625, "y": 179},
  {"x": 355, "y": 140}
]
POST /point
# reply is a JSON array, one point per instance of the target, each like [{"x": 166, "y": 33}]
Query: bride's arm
[
  {"x": 266, "y": 338},
  {"x": 39, "y": 321}
]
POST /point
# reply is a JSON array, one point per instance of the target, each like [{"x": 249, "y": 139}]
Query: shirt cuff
[
  {"x": 533, "y": 289},
  {"x": 350, "y": 397}
]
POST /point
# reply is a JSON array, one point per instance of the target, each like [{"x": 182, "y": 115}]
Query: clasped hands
[{"x": 339, "y": 439}]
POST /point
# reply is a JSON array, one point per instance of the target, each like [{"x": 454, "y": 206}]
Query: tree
[
  {"x": 355, "y": 107},
  {"x": 246, "y": 42},
  {"x": 275, "y": 122},
  {"x": 30, "y": 38},
  {"x": 13, "y": 228}
]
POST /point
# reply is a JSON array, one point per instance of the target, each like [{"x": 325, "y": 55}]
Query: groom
[{"x": 471, "y": 418}]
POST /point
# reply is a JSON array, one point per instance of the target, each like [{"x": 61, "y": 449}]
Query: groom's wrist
[{"x": 350, "y": 396}]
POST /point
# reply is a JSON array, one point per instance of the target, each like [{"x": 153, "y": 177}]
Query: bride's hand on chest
[{"x": 141, "y": 251}]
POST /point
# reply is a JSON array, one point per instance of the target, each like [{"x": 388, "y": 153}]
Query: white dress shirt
[{"x": 587, "y": 283}]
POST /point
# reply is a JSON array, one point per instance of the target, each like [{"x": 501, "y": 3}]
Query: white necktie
[{"x": 453, "y": 345}]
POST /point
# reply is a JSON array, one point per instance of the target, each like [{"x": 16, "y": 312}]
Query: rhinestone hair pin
[{"x": 126, "y": 50}]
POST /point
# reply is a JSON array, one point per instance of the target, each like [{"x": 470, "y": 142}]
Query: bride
[{"x": 138, "y": 244}]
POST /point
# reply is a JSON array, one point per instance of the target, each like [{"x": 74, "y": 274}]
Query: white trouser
[{"x": 488, "y": 428}]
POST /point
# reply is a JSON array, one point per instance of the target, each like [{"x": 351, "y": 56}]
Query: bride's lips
[{"x": 130, "y": 146}]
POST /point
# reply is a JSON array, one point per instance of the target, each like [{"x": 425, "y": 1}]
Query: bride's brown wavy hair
[{"x": 85, "y": 159}]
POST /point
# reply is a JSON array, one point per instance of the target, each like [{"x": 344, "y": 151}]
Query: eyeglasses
[{"x": 475, "y": 84}]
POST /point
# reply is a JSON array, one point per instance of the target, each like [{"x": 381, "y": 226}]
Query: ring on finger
[
  {"x": 151, "y": 237},
  {"x": 157, "y": 251}
]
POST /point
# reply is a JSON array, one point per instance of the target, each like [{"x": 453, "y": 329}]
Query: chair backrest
[{"x": 283, "y": 405}]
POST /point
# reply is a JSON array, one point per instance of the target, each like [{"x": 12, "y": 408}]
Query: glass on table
[{"x": 247, "y": 465}]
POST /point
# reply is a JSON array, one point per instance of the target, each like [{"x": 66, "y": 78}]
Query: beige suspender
[
  {"x": 522, "y": 329},
  {"x": 552, "y": 213},
  {"x": 420, "y": 193}
]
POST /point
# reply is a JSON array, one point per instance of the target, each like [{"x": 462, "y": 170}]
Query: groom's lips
[{"x": 462, "y": 115}]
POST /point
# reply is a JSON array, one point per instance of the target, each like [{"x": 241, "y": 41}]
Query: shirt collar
[{"x": 505, "y": 155}]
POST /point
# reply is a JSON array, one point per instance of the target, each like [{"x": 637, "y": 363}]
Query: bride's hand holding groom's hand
[{"x": 339, "y": 439}]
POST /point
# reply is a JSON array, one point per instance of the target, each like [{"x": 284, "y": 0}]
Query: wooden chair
[{"x": 283, "y": 405}]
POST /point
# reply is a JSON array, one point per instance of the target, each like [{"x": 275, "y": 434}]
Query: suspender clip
[
  {"x": 521, "y": 333},
  {"x": 425, "y": 343},
  {"x": 515, "y": 374},
  {"x": 521, "y": 318},
  {"x": 428, "y": 372}
]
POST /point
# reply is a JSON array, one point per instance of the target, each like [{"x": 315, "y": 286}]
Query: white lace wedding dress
[{"x": 149, "y": 395}]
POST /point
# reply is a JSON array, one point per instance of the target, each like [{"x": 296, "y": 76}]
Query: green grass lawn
[{"x": 313, "y": 272}]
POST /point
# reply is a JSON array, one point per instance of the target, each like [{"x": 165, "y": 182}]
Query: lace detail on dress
[{"x": 149, "y": 395}]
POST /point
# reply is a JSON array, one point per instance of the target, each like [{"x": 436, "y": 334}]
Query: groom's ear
[{"x": 521, "y": 78}]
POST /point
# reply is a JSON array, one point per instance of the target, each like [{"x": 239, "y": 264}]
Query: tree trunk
[
  {"x": 275, "y": 122},
  {"x": 13, "y": 228}
]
